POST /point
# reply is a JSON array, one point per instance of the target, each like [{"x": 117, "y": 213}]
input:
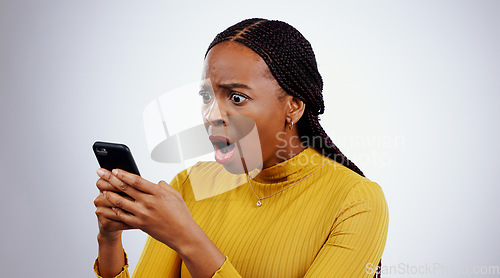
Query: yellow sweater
[{"x": 333, "y": 223}]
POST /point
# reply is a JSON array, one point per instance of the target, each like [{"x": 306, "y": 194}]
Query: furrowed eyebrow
[
  {"x": 205, "y": 87},
  {"x": 234, "y": 86}
]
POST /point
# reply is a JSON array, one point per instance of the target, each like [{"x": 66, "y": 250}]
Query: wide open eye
[
  {"x": 205, "y": 96},
  {"x": 237, "y": 98}
]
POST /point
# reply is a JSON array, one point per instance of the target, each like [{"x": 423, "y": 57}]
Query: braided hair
[{"x": 292, "y": 62}]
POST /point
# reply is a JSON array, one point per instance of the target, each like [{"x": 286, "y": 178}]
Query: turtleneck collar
[{"x": 293, "y": 169}]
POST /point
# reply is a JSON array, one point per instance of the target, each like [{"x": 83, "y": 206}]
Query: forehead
[{"x": 232, "y": 60}]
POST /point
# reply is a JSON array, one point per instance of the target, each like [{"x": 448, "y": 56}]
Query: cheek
[{"x": 269, "y": 127}]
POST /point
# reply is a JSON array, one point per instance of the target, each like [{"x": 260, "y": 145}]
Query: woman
[{"x": 308, "y": 212}]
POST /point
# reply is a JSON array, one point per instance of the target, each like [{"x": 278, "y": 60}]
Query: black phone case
[{"x": 115, "y": 156}]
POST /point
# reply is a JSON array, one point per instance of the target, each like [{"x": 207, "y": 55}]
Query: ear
[{"x": 295, "y": 109}]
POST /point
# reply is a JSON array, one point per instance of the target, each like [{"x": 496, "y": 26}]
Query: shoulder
[
  {"x": 353, "y": 196},
  {"x": 360, "y": 192},
  {"x": 347, "y": 185}
]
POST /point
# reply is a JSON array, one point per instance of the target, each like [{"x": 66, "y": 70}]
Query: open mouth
[{"x": 224, "y": 147}]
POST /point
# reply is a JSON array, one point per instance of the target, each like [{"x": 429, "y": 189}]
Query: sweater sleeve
[
  {"x": 157, "y": 260},
  {"x": 122, "y": 274},
  {"x": 357, "y": 237},
  {"x": 226, "y": 270}
]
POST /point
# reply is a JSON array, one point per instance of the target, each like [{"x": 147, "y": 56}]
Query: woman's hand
[
  {"x": 160, "y": 211},
  {"x": 157, "y": 209}
]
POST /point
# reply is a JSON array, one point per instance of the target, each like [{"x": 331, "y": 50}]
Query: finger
[
  {"x": 118, "y": 201},
  {"x": 102, "y": 201},
  {"x": 109, "y": 221},
  {"x": 117, "y": 183},
  {"x": 136, "y": 181},
  {"x": 104, "y": 185},
  {"x": 102, "y": 172},
  {"x": 124, "y": 217},
  {"x": 106, "y": 214}
]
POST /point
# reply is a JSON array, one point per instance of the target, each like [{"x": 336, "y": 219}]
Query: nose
[{"x": 215, "y": 115}]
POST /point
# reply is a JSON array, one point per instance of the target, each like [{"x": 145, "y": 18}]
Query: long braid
[
  {"x": 292, "y": 62},
  {"x": 324, "y": 142}
]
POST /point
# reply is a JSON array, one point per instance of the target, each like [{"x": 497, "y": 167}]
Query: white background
[{"x": 411, "y": 90}]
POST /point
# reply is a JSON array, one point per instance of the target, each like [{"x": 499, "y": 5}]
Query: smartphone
[{"x": 115, "y": 156}]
